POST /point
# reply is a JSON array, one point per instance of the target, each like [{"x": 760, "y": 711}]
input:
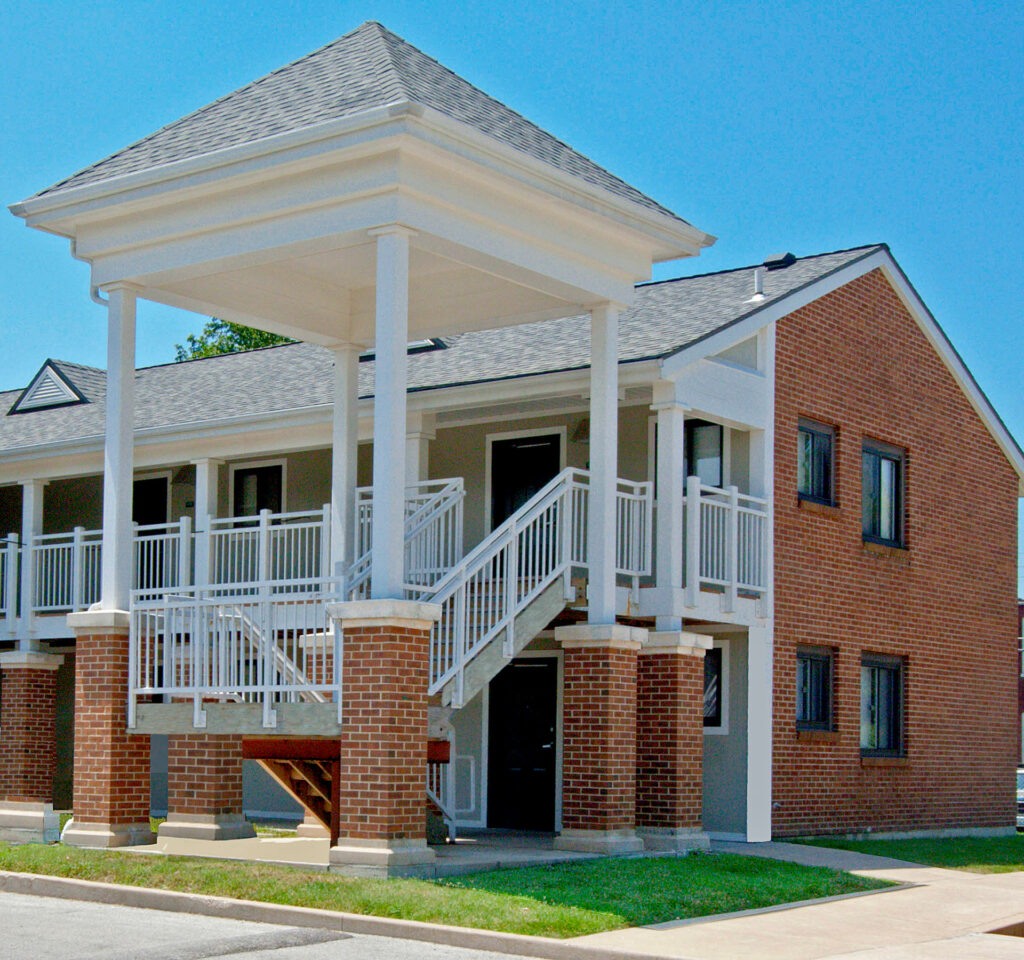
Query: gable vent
[{"x": 48, "y": 389}]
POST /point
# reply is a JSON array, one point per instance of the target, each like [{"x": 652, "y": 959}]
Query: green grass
[
  {"x": 973, "y": 854},
  {"x": 566, "y": 900}
]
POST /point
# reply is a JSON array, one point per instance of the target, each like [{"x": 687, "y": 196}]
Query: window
[
  {"x": 713, "y": 687},
  {"x": 814, "y": 463},
  {"x": 882, "y": 492},
  {"x": 813, "y": 689},
  {"x": 257, "y": 488},
  {"x": 704, "y": 452},
  {"x": 881, "y": 706}
]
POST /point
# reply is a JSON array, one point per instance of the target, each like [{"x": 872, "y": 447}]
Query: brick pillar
[
  {"x": 28, "y": 746},
  {"x": 204, "y": 788},
  {"x": 670, "y": 742},
  {"x": 384, "y": 737},
  {"x": 111, "y": 765},
  {"x": 599, "y": 738}
]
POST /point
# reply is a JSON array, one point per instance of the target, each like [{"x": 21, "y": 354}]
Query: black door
[
  {"x": 521, "y": 745},
  {"x": 149, "y": 501},
  {"x": 519, "y": 468}
]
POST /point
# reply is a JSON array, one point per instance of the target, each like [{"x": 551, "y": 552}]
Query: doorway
[
  {"x": 519, "y": 467},
  {"x": 150, "y": 497},
  {"x": 522, "y": 745}
]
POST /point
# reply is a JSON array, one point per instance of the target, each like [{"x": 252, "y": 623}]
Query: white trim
[
  {"x": 722, "y": 643},
  {"x": 48, "y": 373},
  {"x": 489, "y": 441},
  {"x": 281, "y": 462}
]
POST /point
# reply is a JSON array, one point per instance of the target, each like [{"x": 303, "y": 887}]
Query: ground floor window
[
  {"x": 813, "y": 689},
  {"x": 713, "y": 687},
  {"x": 881, "y": 706}
]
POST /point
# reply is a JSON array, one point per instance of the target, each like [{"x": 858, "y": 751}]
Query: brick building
[{"x": 510, "y": 535}]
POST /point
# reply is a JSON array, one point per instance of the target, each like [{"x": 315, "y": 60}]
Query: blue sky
[{"x": 797, "y": 125}]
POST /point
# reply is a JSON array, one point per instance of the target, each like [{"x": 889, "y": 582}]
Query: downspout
[{"x": 94, "y": 291}]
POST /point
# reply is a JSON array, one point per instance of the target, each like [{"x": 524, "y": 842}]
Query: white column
[
  {"x": 419, "y": 433},
  {"x": 118, "y": 453},
  {"x": 671, "y": 423},
  {"x": 389, "y": 411},
  {"x": 207, "y": 496},
  {"x": 344, "y": 454},
  {"x": 604, "y": 442},
  {"x": 31, "y": 526}
]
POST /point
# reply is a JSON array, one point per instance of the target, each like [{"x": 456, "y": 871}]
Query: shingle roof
[
  {"x": 666, "y": 317},
  {"x": 369, "y": 67}
]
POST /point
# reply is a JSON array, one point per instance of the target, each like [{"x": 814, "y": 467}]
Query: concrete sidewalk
[{"x": 947, "y": 915}]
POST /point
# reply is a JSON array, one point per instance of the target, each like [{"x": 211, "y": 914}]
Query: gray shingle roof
[
  {"x": 369, "y": 67},
  {"x": 666, "y": 317}
]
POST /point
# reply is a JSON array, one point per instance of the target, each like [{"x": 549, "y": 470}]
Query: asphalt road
[{"x": 45, "y": 928}]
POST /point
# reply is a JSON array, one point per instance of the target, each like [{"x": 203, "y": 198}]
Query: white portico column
[
  {"x": 31, "y": 526},
  {"x": 207, "y": 495},
  {"x": 344, "y": 453},
  {"x": 671, "y": 422},
  {"x": 118, "y": 452},
  {"x": 418, "y": 435},
  {"x": 389, "y": 412},
  {"x": 604, "y": 443}
]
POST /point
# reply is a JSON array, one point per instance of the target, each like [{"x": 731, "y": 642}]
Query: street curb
[{"x": 40, "y": 885}]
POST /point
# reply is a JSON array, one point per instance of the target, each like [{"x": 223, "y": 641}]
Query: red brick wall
[
  {"x": 111, "y": 767},
  {"x": 28, "y": 745},
  {"x": 599, "y": 738},
  {"x": 669, "y": 740},
  {"x": 204, "y": 774},
  {"x": 384, "y": 737},
  {"x": 856, "y": 359}
]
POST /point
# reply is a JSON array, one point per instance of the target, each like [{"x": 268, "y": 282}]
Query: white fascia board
[{"x": 881, "y": 259}]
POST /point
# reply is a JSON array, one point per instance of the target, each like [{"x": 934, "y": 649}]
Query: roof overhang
[
  {"x": 274, "y": 233},
  {"x": 877, "y": 259}
]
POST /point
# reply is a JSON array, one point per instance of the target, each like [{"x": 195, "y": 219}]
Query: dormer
[{"x": 50, "y": 387}]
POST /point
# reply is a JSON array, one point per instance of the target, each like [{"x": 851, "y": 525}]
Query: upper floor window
[
  {"x": 256, "y": 488},
  {"x": 815, "y": 453},
  {"x": 813, "y": 689},
  {"x": 704, "y": 452},
  {"x": 881, "y": 706},
  {"x": 882, "y": 491}
]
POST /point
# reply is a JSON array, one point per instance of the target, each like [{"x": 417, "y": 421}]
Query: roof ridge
[{"x": 384, "y": 37}]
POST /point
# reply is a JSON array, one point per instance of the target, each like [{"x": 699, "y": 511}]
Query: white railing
[
  {"x": 441, "y": 791},
  {"x": 10, "y": 571},
  {"x": 163, "y": 557},
  {"x": 541, "y": 542},
  {"x": 725, "y": 541},
  {"x": 65, "y": 570},
  {"x": 273, "y": 648}
]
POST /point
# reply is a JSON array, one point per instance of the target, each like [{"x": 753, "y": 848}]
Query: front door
[
  {"x": 521, "y": 745},
  {"x": 520, "y": 467}
]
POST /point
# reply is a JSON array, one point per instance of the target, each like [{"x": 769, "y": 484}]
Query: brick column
[
  {"x": 28, "y": 747},
  {"x": 204, "y": 788},
  {"x": 384, "y": 737},
  {"x": 111, "y": 765},
  {"x": 599, "y": 738},
  {"x": 670, "y": 741}
]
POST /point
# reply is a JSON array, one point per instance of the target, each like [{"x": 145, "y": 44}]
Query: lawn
[
  {"x": 973, "y": 854},
  {"x": 566, "y": 900}
]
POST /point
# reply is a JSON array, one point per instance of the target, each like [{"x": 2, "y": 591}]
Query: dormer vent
[
  {"x": 779, "y": 261},
  {"x": 49, "y": 388}
]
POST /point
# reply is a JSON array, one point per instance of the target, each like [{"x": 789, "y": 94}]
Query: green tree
[{"x": 222, "y": 336}]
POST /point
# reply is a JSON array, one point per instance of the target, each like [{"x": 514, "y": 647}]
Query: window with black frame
[
  {"x": 815, "y": 458},
  {"x": 881, "y": 706},
  {"x": 703, "y": 452},
  {"x": 882, "y": 478},
  {"x": 713, "y": 687},
  {"x": 813, "y": 689}
]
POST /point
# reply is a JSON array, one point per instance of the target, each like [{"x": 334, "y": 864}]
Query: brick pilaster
[
  {"x": 670, "y": 741},
  {"x": 384, "y": 737},
  {"x": 111, "y": 804},
  {"x": 599, "y": 738},
  {"x": 28, "y": 749},
  {"x": 204, "y": 788}
]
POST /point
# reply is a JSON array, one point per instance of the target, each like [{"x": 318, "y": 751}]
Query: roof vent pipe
[{"x": 758, "y": 286}]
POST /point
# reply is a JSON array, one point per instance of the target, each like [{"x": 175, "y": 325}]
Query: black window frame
[
  {"x": 713, "y": 664},
  {"x": 824, "y": 658},
  {"x": 821, "y": 435},
  {"x": 261, "y": 470},
  {"x": 880, "y": 664},
  {"x": 690, "y": 427},
  {"x": 878, "y": 452}
]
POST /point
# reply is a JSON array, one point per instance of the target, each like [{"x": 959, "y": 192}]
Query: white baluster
[
  {"x": 692, "y": 541},
  {"x": 77, "y": 568},
  {"x": 732, "y": 548},
  {"x": 184, "y": 552}
]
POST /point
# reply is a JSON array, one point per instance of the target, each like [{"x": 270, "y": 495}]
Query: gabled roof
[
  {"x": 667, "y": 317},
  {"x": 367, "y": 68}
]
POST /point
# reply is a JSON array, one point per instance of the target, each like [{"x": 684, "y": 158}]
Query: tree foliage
[{"x": 221, "y": 336}]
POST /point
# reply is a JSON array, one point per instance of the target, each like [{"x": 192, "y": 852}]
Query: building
[{"x": 511, "y": 533}]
